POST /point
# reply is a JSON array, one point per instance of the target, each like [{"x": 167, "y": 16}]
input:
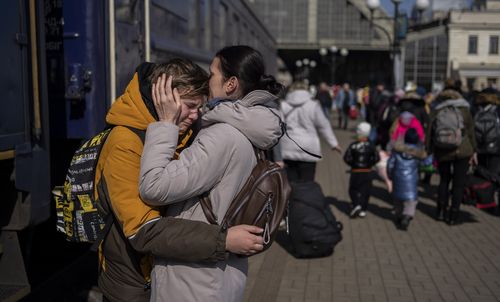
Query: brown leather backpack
[{"x": 262, "y": 201}]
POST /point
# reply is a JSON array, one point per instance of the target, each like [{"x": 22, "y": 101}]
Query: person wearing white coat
[{"x": 305, "y": 120}]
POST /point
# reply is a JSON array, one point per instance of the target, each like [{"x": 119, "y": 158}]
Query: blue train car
[{"x": 63, "y": 64}]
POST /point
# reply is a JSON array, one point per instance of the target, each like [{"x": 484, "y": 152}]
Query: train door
[
  {"x": 129, "y": 40},
  {"x": 84, "y": 55}
]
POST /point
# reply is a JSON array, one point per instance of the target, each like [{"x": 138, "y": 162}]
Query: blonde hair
[{"x": 190, "y": 79}]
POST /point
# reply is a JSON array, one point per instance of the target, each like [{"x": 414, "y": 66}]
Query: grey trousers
[{"x": 407, "y": 208}]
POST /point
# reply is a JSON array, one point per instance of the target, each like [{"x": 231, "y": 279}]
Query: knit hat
[
  {"x": 363, "y": 129},
  {"x": 406, "y": 118},
  {"x": 411, "y": 136}
]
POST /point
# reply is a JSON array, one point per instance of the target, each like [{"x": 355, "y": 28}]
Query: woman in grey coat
[{"x": 243, "y": 113}]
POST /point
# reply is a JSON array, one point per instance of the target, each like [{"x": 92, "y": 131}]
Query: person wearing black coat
[
  {"x": 361, "y": 156},
  {"x": 488, "y": 154},
  {"x": 325, "y": 99}
]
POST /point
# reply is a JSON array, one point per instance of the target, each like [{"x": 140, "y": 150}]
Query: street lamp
[
  {"x": 421, "y": 5},
  {"x": 373, "y": 4},
  {"x": 303, "y": 68},
  {"x": 332, "y": 51},
  {"x": 395, "y": 52}
]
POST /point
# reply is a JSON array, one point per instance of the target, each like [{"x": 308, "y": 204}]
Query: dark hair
[
  {"x": 411, "y": 136},
  {"x": 247, "y": 64},
  {"x": 453, "y": 84},
  {"x": 190, "y": 79}
]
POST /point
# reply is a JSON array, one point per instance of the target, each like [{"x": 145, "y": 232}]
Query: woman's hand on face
[
  {"x": 167, "y": 102},
  {"x": 244, "y": 240}
]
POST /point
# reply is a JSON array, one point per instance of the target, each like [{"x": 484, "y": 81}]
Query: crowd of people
[{"x": 407, "y": 135}]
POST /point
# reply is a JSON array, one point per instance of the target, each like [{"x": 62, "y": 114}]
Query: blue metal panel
[
  {"x": 85, "y": 67},
  {"x": 13, "y": 77}
]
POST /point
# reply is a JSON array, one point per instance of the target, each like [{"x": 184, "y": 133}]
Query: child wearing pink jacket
[{"x": 406, "y": 121}]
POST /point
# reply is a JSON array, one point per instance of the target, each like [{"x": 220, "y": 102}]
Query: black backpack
[
  {"x": 314, "y": 230},
  {"x": 487, "y": 128}
]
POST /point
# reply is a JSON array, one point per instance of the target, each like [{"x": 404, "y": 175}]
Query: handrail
[{"x": 34, "y": 72}]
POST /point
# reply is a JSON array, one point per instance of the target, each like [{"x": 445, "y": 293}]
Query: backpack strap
[
  {"x": 208, "y": 210},
  {"x": 292, "y": 110},
  {"x": 285, "y": 132},
  {"x": 110, "y": 218}
]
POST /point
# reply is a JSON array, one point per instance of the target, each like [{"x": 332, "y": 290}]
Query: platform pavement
[{"x": 376, "y": 262}]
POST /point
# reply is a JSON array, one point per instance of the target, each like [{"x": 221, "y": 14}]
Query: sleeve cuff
[{"x": 220, "y": 249}]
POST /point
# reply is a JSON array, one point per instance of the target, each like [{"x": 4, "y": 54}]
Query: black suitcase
[
  {"x": 480, "y": 191},
  {"x": 314, "y": 231}
]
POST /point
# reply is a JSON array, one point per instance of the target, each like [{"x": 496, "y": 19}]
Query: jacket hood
[
  {"x": 134, "y": 108},
  {"x": 487, "y": 98},
  {"x": 408, "y": 151},
  {"x": 448, "y": 94},
  {"x": 261, "y": 125},
  {"x": 456, "y": 102},
  {"x": 298, "y": 97}
]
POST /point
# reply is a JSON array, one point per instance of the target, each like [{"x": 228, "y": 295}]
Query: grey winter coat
[
  {"x": 402, "y": 169},
  {"x": 304, "y": 120},
  {"x": 220, "y": 160}
]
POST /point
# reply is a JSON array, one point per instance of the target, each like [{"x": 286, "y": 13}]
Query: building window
[
  {"x": 472, "y": 45},
  {"x": 471, "y": 83},
  {"x": 493, "y": 45}
]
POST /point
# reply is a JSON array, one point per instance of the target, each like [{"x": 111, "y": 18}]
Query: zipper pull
[{"x": 287, "y": 225}]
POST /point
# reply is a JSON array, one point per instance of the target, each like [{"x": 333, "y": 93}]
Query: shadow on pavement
[
  {"x": 382, "y": 194},
  {"x": 430, "y": 210},
  {"x": 427, "y": 191},
  {"x": 345, "y": 207}
]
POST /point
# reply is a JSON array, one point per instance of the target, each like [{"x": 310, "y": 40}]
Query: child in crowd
[
  {"x": 402, "y": 169},
  {"x": 361, "y": 156},
  {"x": 406, "y": 121}
]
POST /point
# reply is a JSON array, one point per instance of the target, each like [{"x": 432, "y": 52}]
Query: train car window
[
  {"x": 245, "y": 34},
  {"x": 237, "y": 30},
  {"x": 226, "y": 37},
  {"x": 208, "y": 34},
  {"x": 126, "y": 11},
  {"x": 195, "y": 23},
  {"x": 169, "y": 21}
]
